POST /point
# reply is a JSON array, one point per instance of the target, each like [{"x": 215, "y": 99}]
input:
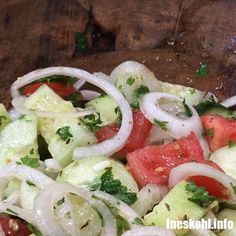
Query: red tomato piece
[
  {"x": 13, "y": 226},
  {"x": 213, "y": 187},
  {"x": 60, "y": 88},
  {"x": 138, "y": 137},
  {"x": 222, "y": 130},
  {"x": 152, "y": 164}
]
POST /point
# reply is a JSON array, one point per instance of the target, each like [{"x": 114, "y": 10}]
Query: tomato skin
[
  {"x": 223, "y": 130},
  {"x": 139, "y": 134},
  {"x": 61, "y": 89},
  {"x": 13, "y": 226},
  {"x": 152, "y": 164}
]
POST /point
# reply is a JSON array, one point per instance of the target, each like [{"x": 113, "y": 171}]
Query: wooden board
[{"x": 168, "y": 66}]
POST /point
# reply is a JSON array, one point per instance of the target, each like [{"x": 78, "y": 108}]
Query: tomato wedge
[
  {"x": 140, "y": 132},
  {"x": 60, "y": 88},
  {"x": 221, "y": 130},
  {"x": 152, "y": 164},
  {"x": 14, "y": 226}
]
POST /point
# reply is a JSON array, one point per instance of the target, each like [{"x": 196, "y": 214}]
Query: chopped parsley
[
  {"x": 118, "y": 112},
  {"x": 202, "y": 71},
  {"x": 30, "y": 183},
  {"x": 161, "y": 124},
  {"x": 130, "y": 80},
  {"x": 138, "y": 94},
  {"x": 209, "y": 133},
  {"x": 33, "y": 229},
  {"x": 10, "y": 211},
  {"x": 138, "y": 221},
  {"x": 188, "y": 111},
  {"x": 200, "y": 195},
  {"x": 75, "y": 98},
  {"x": 114, "y": 187},
  {"x": 64, "y": 133},
  {"x": 61, "y": 201},
  {"x": 93, "y": 121},
  {"x": 31, "y": 152},
  {"x": 204, "y": 105},
  {"x": 29, "y": 161},
  {"x": 231, "y": 144},
  {"x": 2, "y": 118},
  {"x": 81, "y": 42}
]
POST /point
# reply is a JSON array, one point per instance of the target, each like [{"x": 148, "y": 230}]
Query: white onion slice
[
  {"x": 52, "y": 165},
  {"x": 79, "y": 84},
  {"x": 24, "y": 173},
  {"x": 176, "y": 126},
  {"x": 13, "y": 198},
  {"x": 19, "y": 212},
  {"x": 44, "y": 207},
  {"x": 126, "y": 211},
  {"x": 109, "y": 146},
  {"x": 89, "y": 94},
  {"x": 135, "y": 68},
  {"x": 18, "y": 104},
  {"x": 149, "y": 231},
  {"x": 186, "y": 170},
  {"x": 14, "y": 114},
  {"x": 229, "y": 102},
  {"x": 148, "y": 197},
  {"x": 102, "y": 76}
]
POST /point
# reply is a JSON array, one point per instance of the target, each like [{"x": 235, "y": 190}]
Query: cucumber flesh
[
  {"x": 4, "y": 117},
  {"x": 107, "y": 108},
  {"x": 19, "y": 139},
  {"x": 175, "y": 205},
  {"x": 228, "y": 214},
  {"x": 83, "y": 172},
  {"x": 46, "y": 99},
  {"x": 13, "y": 185}
]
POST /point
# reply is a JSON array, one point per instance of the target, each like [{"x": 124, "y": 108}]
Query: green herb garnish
[
  {"x": 188, "y": 111},
  {"x": 81, "y": 43},
  {"x": 2, "y": 118},
  {"x": 10, "y": 211},
  {"x": 114, "y": 187},
  {"x": 138, "y": 94},
  {"x": 138, "y": 221},
  {"x": 209, "y": 133},
  {"x": 75, "y": 98},
  {"x": 118, "y": 112},
  {"x": 61, "y": 201},
  {"x": 200, "y": 195},
  {"x": 92, "y": 121},
  {"x": 231, "y": 144},
  {"x": 202, "y": 71},
  {"x": 30, "y": 183},
  {"x": 64, "y": 133},
  {"x": 161, "y": 124},
  {"x": 29, "y": 161},
  {"x": 130, "y": 80},
  {"x": 33, "y": 229}
]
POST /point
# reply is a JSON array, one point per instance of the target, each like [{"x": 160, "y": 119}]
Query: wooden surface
[{"x": 170, "y": 36}]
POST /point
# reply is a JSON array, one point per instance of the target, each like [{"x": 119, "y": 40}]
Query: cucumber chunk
[
  {"x": 229, "y": 215},
  {"x": 86, "y": 170},
  {"x": 176, "y": 206},
  {"x": 107, "y": 108},
  {"x": 61, "y": 150},
  {"x": 19, "y": 139},
  {"x": 225, "y": 157},
  {"x": 4, "y": 117}
]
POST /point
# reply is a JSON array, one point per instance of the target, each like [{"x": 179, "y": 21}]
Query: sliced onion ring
[
  {"x": 44, "y": 207},
  {"x": 176, "y": 127},
  {"x": 89, "y": 94},
  {"x": 186, "y": 170},
  {"x": 149, "y": 231},
  {"x": 18, "y": 104},
  {"x": 109, "y": 146},
  {"x": 229, "y": 102}
]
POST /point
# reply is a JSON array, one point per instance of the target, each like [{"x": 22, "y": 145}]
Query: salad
[{"x": 120, "y": 159}]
